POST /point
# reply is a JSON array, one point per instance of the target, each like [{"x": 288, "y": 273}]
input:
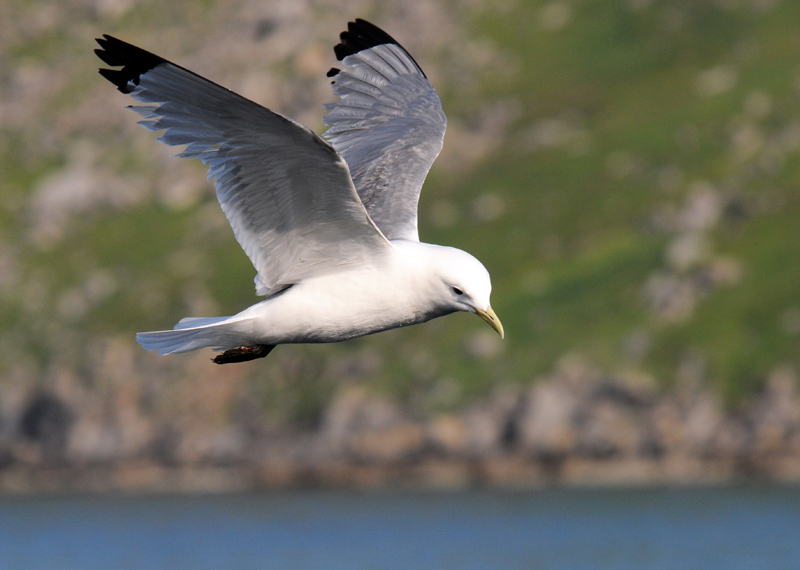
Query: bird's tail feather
[
  {"x": 196, "y": 332},
  {"x": 196, "y": 322}
]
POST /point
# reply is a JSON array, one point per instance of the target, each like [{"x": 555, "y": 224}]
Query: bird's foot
[{"x": 243, "y": 353}]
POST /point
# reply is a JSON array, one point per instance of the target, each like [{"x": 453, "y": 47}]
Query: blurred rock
[
  {"x": 491, "y": 426},
  {"x": 546, "y": 424},
  {"x": 47, "y": 421},
  {"x": 577, "y": 425},
  {"x": 688, "y": 250},
  {"x": 636, "y": 346},
  {"x": 555, "y": 15},
  {"x": 716, "y": 80},
  {"x": 775, "y": 413},
  {"x": 401, "y": 441},
  {"x": 369, "y": 428},
  {"x": 702, "y": 419},
  {"x": 609, "y": 429},
  {"x": 669, "y": 297},
  {"x": 448, "y": 434},
  {"x": 702, "y": 209}
]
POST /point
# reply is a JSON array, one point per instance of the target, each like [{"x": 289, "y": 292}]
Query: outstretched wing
[
  {"x": 388, "y": 124},
  {"x": 286, "y": 192}
]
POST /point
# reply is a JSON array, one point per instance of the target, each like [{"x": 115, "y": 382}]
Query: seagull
[{"x": 329, "y": 222}]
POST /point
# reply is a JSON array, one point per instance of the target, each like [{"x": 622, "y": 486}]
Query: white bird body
[
  {"x": 407, "y": 287},
  {"x": 329, "y": 224},
  {"x": 357, "y": 301}
]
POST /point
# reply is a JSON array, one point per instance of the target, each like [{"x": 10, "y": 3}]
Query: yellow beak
[{"x": 490, "y": 317}]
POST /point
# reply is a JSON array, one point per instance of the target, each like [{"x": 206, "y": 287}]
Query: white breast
[{"x": 352, "y": 302}]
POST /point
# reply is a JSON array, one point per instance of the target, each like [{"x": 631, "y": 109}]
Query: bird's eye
[{"x": 457, "y": 291}]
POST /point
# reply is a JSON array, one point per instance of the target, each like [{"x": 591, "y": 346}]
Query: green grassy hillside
[{"x": 636, "y": 199}]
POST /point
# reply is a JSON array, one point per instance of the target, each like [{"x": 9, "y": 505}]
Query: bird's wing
[
  {"x": 388, "y": 124},
  {"x": 286, "y": 192}
]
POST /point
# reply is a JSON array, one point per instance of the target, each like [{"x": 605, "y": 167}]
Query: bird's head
[{"x": 465, "y": 285}]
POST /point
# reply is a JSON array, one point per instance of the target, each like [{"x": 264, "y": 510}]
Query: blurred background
[{"x": 627, "y": 170}]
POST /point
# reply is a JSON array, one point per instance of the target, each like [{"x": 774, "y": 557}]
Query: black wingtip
[
  {"x": 361, "y": 35},
  {"x": 134, "y": 61}
]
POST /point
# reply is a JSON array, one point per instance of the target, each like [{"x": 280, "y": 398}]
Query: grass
[{"x": 575, "y": 240}]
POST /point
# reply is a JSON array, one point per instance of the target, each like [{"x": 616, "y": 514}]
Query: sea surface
[{"x": 725, "y": 528}]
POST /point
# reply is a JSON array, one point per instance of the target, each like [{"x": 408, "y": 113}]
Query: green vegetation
[
  {"x": 624, "y": 112},
  {"x": 640, "y": 80}
]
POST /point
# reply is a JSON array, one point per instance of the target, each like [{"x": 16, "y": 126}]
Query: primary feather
[{"x": 388, "y": 124}]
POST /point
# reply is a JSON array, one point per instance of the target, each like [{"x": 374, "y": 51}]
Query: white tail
[{"x": 193, "y": 333}]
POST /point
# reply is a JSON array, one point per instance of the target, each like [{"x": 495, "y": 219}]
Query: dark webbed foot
[{"x": 243, "y": 353}]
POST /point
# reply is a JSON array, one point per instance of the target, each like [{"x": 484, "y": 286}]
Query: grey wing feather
[
  {"x": 388, "y": 124},
  {"x": 286, "y": 193}
]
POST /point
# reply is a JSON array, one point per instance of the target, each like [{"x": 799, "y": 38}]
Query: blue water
[{"x": 716, "y": 528}]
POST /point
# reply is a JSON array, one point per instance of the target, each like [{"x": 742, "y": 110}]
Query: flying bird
[{"x": 329, "y": 222}]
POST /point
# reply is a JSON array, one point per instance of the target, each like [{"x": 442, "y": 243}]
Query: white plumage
[{"x": 330, "y": 226}]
